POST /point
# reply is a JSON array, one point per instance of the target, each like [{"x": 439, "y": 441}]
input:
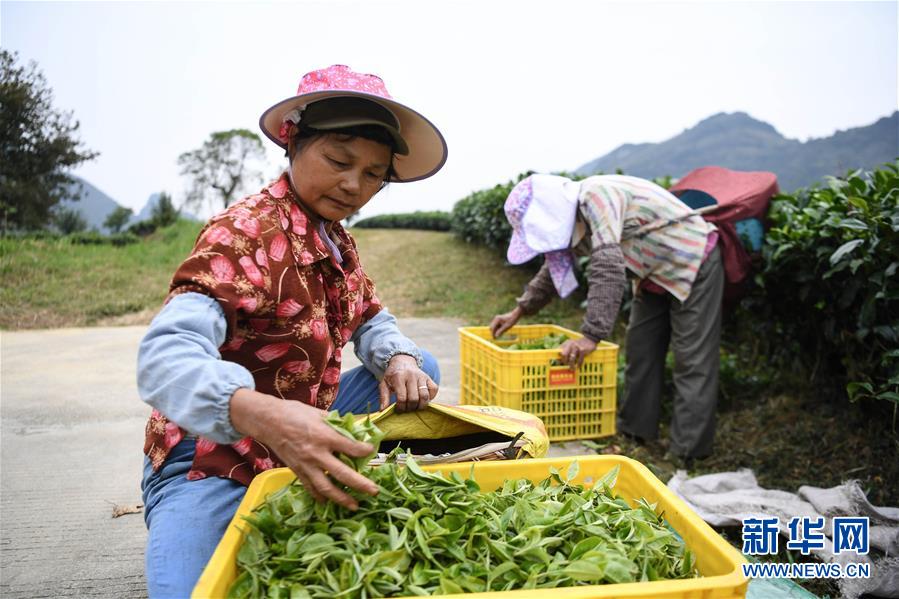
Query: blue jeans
[{"x": 186, "y": 519}]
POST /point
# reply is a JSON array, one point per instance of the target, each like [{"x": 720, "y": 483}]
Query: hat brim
[
  {"x": 402, "y": 148},
  {"x": 426, "y": 145},
  {"x": 519, "y": 252}
]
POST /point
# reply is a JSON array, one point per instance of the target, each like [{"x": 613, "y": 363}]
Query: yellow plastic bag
[{"x": 446, "y": 434}]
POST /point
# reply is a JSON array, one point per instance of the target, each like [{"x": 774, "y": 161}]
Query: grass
[
  {"x": 434, "y": 274},
  {"x": 46, "y": 283}
]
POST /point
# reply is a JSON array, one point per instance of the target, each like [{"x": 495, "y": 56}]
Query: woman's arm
[
  {"x": 180, "y": 371},
  {"x": 396, "y": 361},
  {"x": 378, "y": 340},
  {"x": 538, "y": 292},
  {"x": 605, "y": 286},
  {"x": 181, "y": 374},
  {"x": 606, "y": 280}
]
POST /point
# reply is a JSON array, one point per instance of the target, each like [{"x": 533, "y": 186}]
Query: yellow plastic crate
[
  {"x": 717, "y": 561},
  {"x": 572, "y": 404}
]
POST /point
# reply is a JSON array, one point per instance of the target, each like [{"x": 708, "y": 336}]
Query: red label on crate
[{"x": 564, "y": 376}]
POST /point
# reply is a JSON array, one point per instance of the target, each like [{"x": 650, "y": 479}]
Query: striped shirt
[{"x": 616, "y": 206}]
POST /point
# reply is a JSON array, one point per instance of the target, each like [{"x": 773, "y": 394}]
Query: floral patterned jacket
[{"x": 290, "y": 305}]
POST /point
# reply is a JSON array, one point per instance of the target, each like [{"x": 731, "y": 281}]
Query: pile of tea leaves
[
  {"x": 426, "y": 534},
  {"x": 550, "y": 341}
]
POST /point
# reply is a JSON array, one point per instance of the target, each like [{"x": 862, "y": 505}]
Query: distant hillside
[
  {"x": 738, "y": 141},
  {"x": 95, "y": 206}
]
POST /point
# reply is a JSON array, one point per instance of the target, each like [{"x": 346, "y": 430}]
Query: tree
[
  {"x": 37, "y": 144},
  {"x": 67, "y": 220},
  {"x": 118, "y": 218},
  {"x": 223, "y": 167},
  {"x": 164, "y": 212}
]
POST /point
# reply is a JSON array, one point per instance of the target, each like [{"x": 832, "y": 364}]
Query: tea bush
[
  {"x": 95, "y": 238},
  {"x": 436, "y": 220},
  {"x": 479, "y": 217},
  {"x": 827, "y": 297}
]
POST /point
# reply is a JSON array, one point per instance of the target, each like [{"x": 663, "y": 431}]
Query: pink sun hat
[{"x": 421, "y": 148}]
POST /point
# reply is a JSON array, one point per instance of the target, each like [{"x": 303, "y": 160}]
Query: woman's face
[{"x": 334, "y": 176}]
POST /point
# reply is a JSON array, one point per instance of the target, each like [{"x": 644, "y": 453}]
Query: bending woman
[{"x": 629, "y": 227}]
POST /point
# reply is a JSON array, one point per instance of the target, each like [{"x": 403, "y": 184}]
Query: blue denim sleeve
[
  {"x": 180, "y": 371},
  {"x": 378, "y": 340}
]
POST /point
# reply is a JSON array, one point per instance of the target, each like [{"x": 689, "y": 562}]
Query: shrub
[
  {"x": 142, "y": 228},
  {"x": 428, "y": 221},
  {"x": 86, "y": 238},
  {"x": 34, "y": 235},
  {"x": 480, "y": 218},
  {"x": 117, "y": 219},
  {"x": 95, "y": 238},
  {"x": 164, "y": 212},
  {"x": 68, "y": 220},
  {"x": 827, "y": 301},
  {"x": 122, "y": 239}
]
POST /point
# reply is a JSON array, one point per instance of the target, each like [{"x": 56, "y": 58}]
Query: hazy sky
[{"x": 512, "y": 85}]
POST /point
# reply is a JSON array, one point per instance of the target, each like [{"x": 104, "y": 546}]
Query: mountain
[
  {"x": 94, "y": 205},
  {"x": 740, "y": 142}
]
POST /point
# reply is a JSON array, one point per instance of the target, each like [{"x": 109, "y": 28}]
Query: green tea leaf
[
  {"x": 608, "y": 479},
  {"x": 583, "y": 570},
  {"x": 315, "y": 542},
  {"x": 583, "y": 547},
  {"x": 448, "y": 587},
  {"x": 619, "y": 569},
  {"x": 400, "y": 512},
  {"x": 845, "y": 249}
]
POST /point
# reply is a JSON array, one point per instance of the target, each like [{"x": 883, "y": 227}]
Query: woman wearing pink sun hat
[{"x": 244, "y": 360}]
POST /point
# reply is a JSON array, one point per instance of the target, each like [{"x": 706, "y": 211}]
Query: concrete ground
[{"x": 71, "y": 435}]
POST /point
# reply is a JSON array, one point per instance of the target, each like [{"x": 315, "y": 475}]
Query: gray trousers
[{"x": 694, "y": 330}]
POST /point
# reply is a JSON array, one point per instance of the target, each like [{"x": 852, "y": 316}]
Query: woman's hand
[
  {"x": 299, "y": 435},
  {"x": 575, "y": 350},
  {"x": 412, "y": 387},
  {"x": 503, "y": 322}
]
